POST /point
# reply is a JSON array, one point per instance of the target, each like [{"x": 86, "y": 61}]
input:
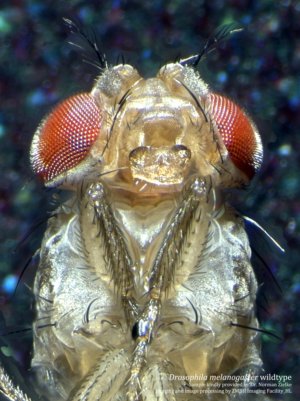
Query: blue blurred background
[{"x": 258, "y": 68}]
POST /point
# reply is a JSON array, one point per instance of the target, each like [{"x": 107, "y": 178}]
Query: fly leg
[
  {"x": 142, "y": 331},
  {"x": 118, "y": 259},
  {"x": 9, "y": 390},
  {"x": 105, "y": 381},
  {"x": 161, "y": 275}
]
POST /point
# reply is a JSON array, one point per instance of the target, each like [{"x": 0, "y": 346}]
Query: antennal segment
[{"x": 221, "y": 34}]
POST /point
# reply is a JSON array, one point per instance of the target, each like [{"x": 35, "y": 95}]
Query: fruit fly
[{"x": 145, "y": 289}]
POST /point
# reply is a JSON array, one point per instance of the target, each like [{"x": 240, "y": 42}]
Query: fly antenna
[
  {"x": 90, "y": 39},
  {"x": 220, "y": 35}
]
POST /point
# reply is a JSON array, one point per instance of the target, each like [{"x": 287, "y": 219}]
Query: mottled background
[{"x": 259, "y": 68}]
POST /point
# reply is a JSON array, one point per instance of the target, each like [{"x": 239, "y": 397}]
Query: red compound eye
[
  {"x": 238, "y": 133},
  {"x": 65, "y": 137}
]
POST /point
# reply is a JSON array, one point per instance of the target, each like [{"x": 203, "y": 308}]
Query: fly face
[
  {"x": 145, "y": 266},
  {"x": 154, "y": 133}
]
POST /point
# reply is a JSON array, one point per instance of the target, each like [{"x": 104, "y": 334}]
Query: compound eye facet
[
  {"x": 65, "y": 137},
  {"x": 239, "y": 134}
]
